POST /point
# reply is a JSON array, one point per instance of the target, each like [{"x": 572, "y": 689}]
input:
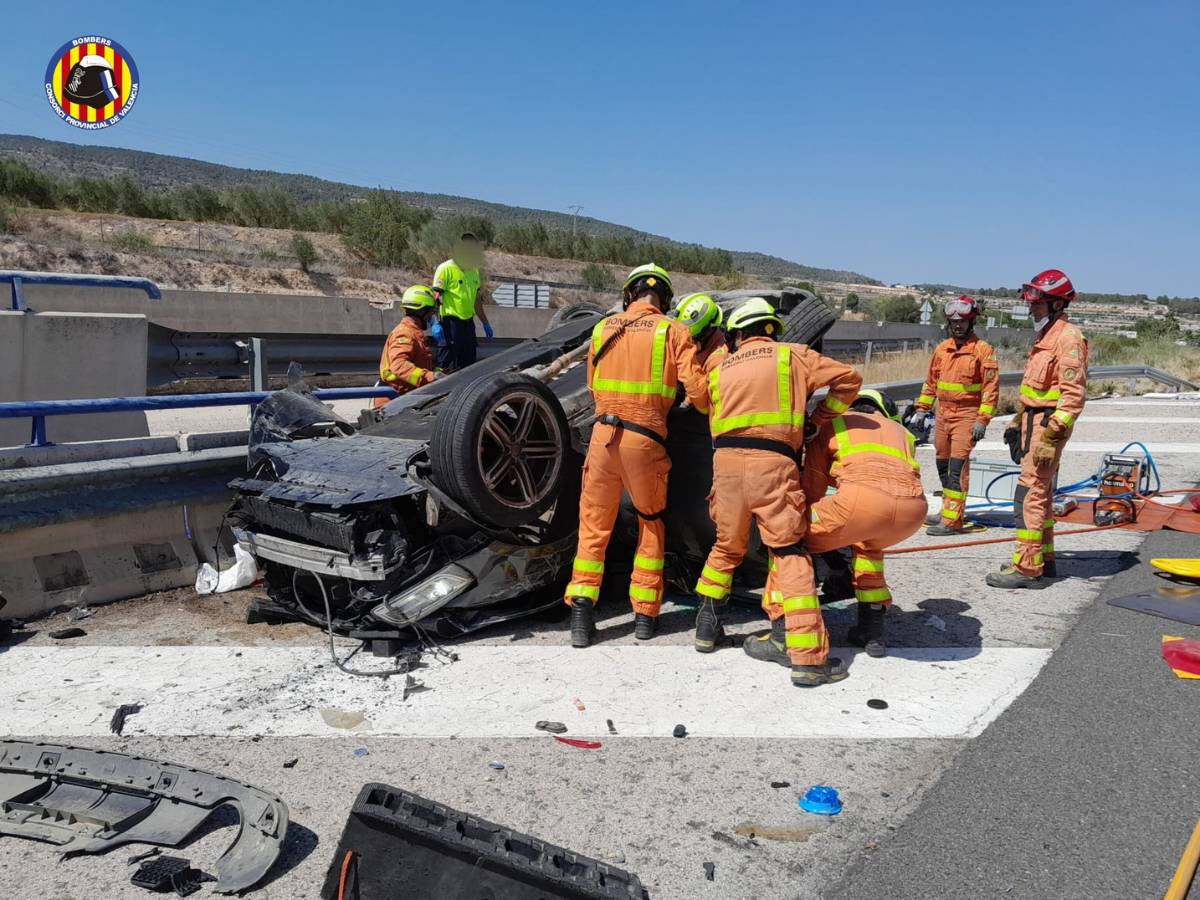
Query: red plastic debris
[
  {"x": 1194, "y": 499},
  {"x": 576, "y": 742},
  {"x": 579, "y": 705},
  {"x": 1182, "y": 656}
]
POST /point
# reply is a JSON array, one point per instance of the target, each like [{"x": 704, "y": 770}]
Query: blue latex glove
[
  {"x": 438, "y": 333},
  {"x": 487, "y": 329}
]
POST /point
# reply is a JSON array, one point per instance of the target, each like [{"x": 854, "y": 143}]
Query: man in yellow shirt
[{"x": 456, "y": 284}]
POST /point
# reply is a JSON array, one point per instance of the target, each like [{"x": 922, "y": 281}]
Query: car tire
[
  {"x": 575, "y": 311},
  {"x": 808, "y": 321},
  {"x": 499, "y": 449}
]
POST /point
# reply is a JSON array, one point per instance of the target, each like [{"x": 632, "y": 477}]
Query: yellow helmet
[
  {"x": 754, "y": 311},
  {"x": 700, "y": 313},
  {"x": 653, "y": 277},
  {"x": 418, "y": 297}
]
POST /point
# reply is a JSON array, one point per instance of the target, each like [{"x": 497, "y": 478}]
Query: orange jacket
[
  {"x": 965, "y": 376},
  {"x": 713, "y": 351},
  {"x": 746, "y": 390},
  {"x": 637, "y": 376},
  {"x": 862, "y": 448},
  {"x": 1056, "y": 374},
  {"x": 406, "y": 363}
]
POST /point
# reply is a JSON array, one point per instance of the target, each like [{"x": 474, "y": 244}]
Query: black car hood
[{"x": 337, "y": 472}]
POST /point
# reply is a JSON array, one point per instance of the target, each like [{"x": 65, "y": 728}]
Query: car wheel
[
  {"x": 583, "y": 310},
  {"x": 499, "y": 447},
  {"x": 808, "y": 321}
]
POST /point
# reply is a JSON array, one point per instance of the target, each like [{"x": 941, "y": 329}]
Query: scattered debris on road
[
  {"x": 680, "y": 731},
  {"x": 124, "y": 711},
  {"x": 170, "y": 873},
  {"x": 709, "y": 869},
  {"x": 551, "y": 727},
  {"x": 139, "y": 857},
  {"x": 497, "y": 765},
  {"x": 361, "y": 751},
  {"x": 65, "y": 634},
  {"x": 170, "y": 804},
  {"x": 578, "y": 742},
  {"x": 821, "y": 800},
  {"x": 781, "y": 784},
  {"x": 612, "y": 729},
  {"x": 876, "y": 703},
  {"x": 291, "y": 763}
]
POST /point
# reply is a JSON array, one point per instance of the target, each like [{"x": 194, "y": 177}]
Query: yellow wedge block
[{"x": 1184, "y": 568}]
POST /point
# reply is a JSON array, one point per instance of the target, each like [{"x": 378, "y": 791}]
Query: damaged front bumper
[{"x": 89, "y": 801}]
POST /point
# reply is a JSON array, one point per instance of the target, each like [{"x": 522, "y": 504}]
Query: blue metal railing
[
  {"x": 38, "y": 410},
  {"x": 17, "y": 279}
]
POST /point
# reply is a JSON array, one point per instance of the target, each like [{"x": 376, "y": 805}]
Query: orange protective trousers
[
  {"x": 618, "y": 460},
  {"x": 870, "y": 521},
  {"x": 952, "y": 450},
  {"x": 1034, "y": 501},
  {"x": 763, "y": 485}
]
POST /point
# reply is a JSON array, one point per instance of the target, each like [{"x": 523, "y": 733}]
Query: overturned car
[{"x": 455, "y": 507}]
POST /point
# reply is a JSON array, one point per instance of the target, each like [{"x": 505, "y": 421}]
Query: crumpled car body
[
  {"x": 90, "y": 801},
  {"x": 447, "y": 513}
]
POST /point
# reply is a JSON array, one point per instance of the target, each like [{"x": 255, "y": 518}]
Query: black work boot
[
  {"x": 644, "y": 626},
  {"x": 709, "y": 633},
  {"x": 583, "y": 622},
  {"x": 833, "y": 669},
  {"x": 769, "y": 647},
  {"x": 1013, "y": 579},
  {"x": 940, "y": 530},
  {"x": 839, "y": 585},
  {"x": 868, "y": 633}
]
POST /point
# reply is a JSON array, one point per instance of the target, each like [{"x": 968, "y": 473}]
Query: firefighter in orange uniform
[
  {"x": 758, "y": 395},
  {"x": 703, "y": 319},
  {"x": 1053, "y": 391},
  {"x": 406, "y": 363},
  {"x": 867, "y": 455},
  {"x": 636, "y": 361},
  {"x": 964, "y": 378}
]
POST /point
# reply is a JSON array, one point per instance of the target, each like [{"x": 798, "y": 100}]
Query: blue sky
[{"x": 969, "y": 143}]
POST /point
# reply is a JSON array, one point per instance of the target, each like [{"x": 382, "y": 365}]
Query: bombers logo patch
[{"x": 91, "y": 82}]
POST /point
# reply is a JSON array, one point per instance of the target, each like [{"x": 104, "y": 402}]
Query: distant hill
[{"x": 162, "y": 172}]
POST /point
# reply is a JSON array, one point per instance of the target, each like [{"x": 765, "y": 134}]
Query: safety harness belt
[
  {"x": 752, "y": 443},
  {"x": 618, "y": 422}
]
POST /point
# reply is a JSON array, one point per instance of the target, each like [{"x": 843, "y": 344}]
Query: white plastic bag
[{"x": 242, "y": 573}]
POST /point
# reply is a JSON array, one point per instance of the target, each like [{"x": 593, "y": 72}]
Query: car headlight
[{"x": 427, "y": 597}]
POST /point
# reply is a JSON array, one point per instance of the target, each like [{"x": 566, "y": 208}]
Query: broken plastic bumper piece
[{"x": 89, "y": 801}]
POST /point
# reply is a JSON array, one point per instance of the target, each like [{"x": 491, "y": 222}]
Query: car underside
[{"x": 455, "y": 506}]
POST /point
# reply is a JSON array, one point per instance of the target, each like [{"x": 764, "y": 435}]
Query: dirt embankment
[{"x": 212, "y": 257}]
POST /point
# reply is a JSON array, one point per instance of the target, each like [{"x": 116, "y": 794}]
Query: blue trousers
[{"x": 459, "y": 351}]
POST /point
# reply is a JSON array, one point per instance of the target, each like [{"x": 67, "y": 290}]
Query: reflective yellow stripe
[
  {"x": 1028, "y": 534},
  {"x": 878, "y": 595},
  {"x": 954, "y": 387},
  {"x": 646, "y": 595},
  {"x": 658, "y": 357},
  {"x": 583, "y": 590},
  {"x": 1047, "y": 525},
  {"x": 772, "y": 566},
  {"x": 716, "y": 576},
  {"x": 953, "y": 495},
  {"x": 986, "y": 409},
  {"x": 950, "y": 513},
  {"x": 812, "y": 514},
  {"x": 835, "y": 405},
  {"x": 925, "y": 400},
  {"x": 847, "y": 448},
  {"x": 705, "y": 589},
  {"x": 415, "y": 376},
  {"x": 862, "y": 564},
  {"x": 588, "y": 565},
  {"x": 1065, "y": 417},
  {"x": 799, "y": 604},
  {"x": 1048, "y": 548},
  {"x": 1035, "y": 394},
  {"x": 808, "y": 640},
  {"x": 1016, "y": 556},
  {"x": 648, "y": 563},
  {"x": 774, "y": 597},
  {"x": 784, "y": 414}
]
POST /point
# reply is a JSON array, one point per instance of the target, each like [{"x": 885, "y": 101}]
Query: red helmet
[
  {"x": 963, "y": 308},
  {"x": 1053, "y": 284}
]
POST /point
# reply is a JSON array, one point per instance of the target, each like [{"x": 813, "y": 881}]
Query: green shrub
[
  {"x": 382, "y": 227},
  {"x": 131, "y": 242},
  {"x": 305, "y": 252},
  {"x": 598, "y": 277}
]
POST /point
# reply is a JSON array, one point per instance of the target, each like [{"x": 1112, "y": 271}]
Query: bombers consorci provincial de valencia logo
[{"x": 91, "y": 82}]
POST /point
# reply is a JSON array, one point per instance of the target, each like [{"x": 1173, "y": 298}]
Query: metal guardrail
[
  {"x": 18, "y": 279},
  {"x": 38, "y": 410},
  {"x": 899, "y": 390}
]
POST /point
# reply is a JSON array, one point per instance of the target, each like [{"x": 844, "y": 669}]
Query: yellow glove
[{"x": 1044, "y": 454}]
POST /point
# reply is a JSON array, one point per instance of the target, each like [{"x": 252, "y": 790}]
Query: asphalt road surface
[{"x": 243, "y": 700}]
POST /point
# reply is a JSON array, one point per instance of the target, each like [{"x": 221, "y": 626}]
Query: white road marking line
[
  {"x": 1158, "y": 449},
  {"x": 494, "y": 691},
  {"x": 1085, "y": 419},
  {"x": 1140, "y": 403}
]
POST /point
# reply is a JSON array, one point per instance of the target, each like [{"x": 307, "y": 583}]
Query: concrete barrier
[
  {"x": 259, "y": 315},
  {"x": 72, "y": 356}
]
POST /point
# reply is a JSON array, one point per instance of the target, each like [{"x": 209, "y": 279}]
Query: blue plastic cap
[{"x": 822, "y": 801}]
